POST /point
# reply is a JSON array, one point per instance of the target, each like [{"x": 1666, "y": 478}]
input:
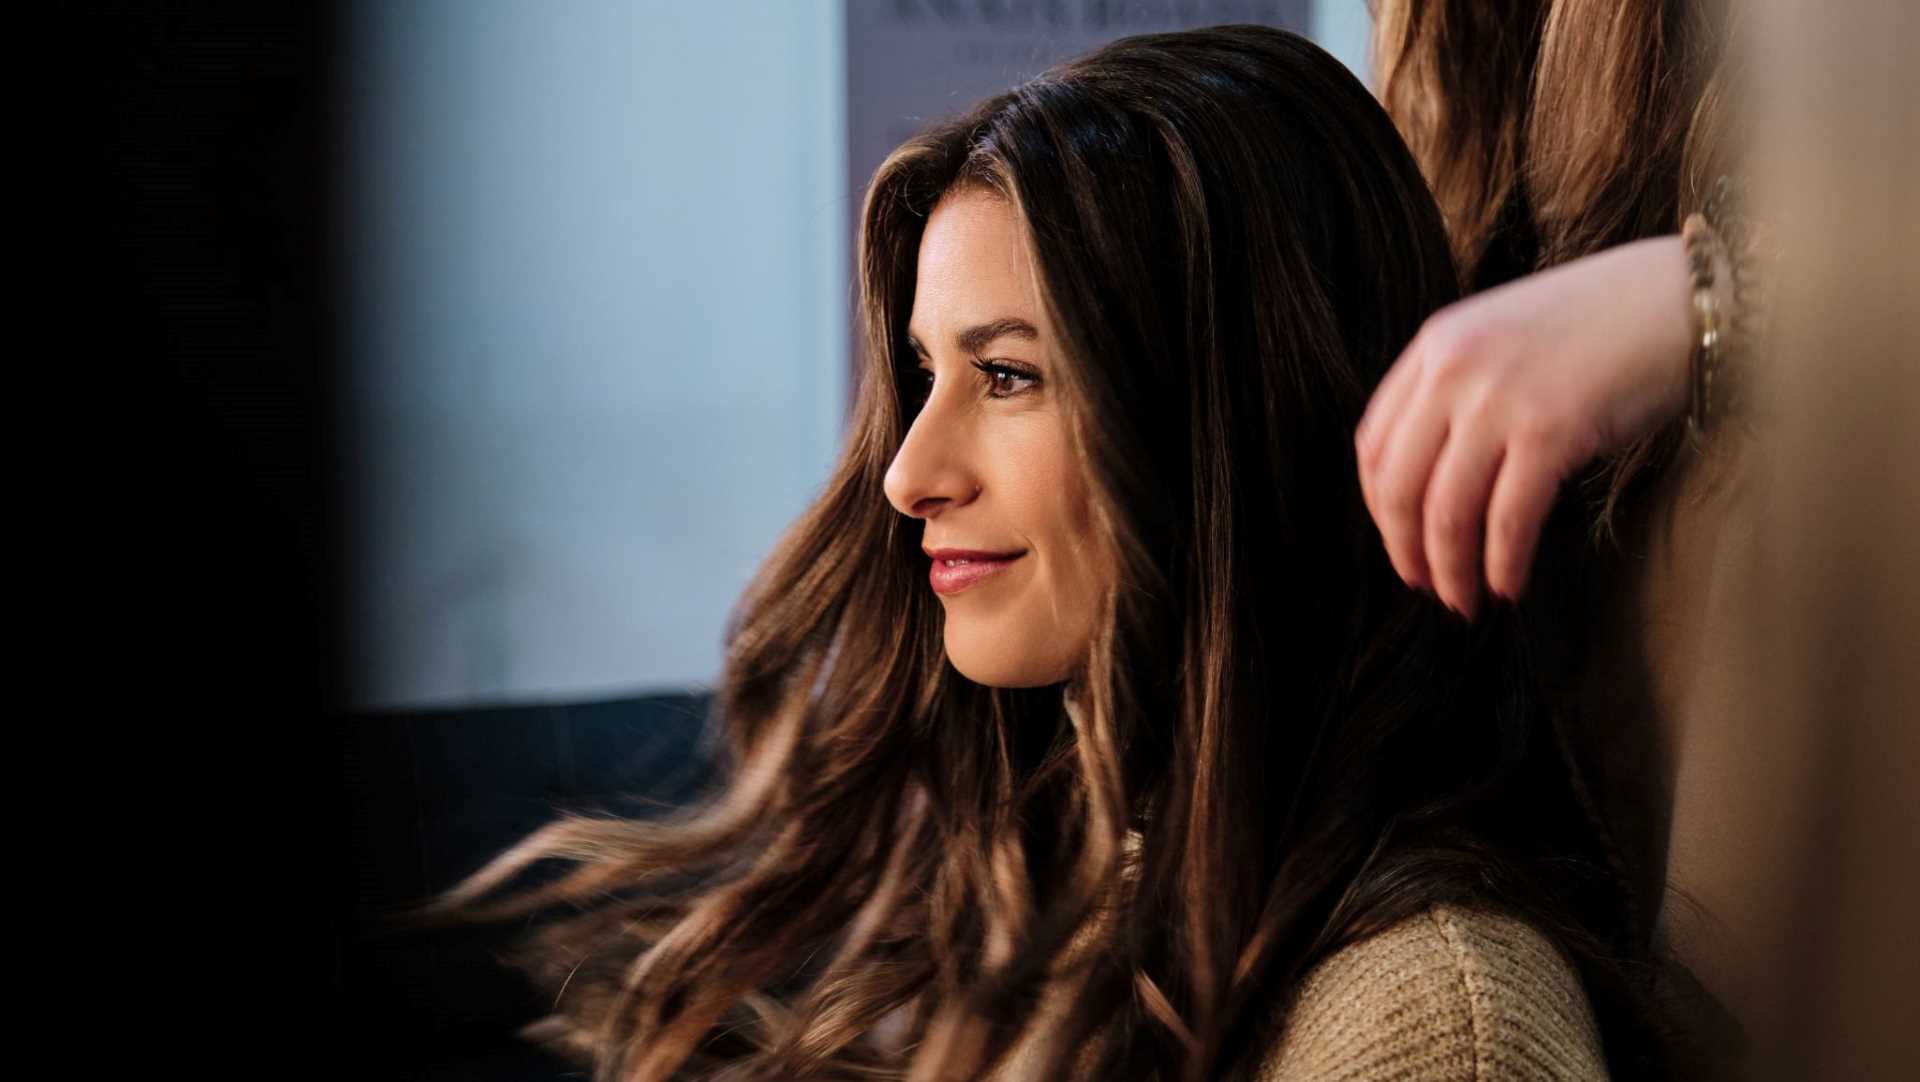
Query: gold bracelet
[
  {"x": 1752, "y": 249},
  {"x": 1702, "y": 244}
]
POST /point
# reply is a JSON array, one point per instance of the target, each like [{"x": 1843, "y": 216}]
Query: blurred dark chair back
[{"x": 428, "y": 797}]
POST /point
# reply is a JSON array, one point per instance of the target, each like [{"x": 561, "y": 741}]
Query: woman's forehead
[{"x": 973, "y": 269}]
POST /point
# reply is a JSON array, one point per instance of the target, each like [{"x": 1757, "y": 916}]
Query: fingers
[
  {"x": 1458, "y": 484},
  {"x": 1375, "y": 433},
  {"x": 1399, "y": 490},
  {"x": 1456, "y": 507},
  {"x": 1522, "y": 495},
  {"x": 1384, "y": 408}
]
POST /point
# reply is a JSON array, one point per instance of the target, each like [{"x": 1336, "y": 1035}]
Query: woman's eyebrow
[
  {"x": 979, "y": 337},
  {"x": 975, "y": 339}
]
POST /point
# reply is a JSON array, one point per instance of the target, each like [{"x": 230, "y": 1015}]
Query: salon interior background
[{"x": 598, "y": 307}]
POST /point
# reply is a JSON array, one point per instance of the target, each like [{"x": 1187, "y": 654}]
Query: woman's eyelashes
[
  {"x": 1007, "y": 380},
  {"x": 999, "y": 379}
]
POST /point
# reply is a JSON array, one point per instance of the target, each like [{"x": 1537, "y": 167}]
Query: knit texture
[{"x": 1449, "y": 995}]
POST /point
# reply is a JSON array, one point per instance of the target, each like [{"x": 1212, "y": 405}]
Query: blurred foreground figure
[
  {"x": 1797, "y": 823},
  {"x": 1748, "y": 676}
]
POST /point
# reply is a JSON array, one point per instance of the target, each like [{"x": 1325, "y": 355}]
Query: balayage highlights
[
  {"x": 1553, "y": 129},
  {"x": 1271, "y": 749}
]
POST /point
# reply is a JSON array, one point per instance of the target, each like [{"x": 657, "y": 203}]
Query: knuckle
[
  {"x": 1451, "y": 527},
  {"x": 1484, "y": 408},
  {"x": 1507, "y": 532},
  {"x": 1538, "y": 430},
  {"x": 1445, "y": 365},
  {"x": 1443, "y": 323},
  {"x": 1398, "y": 503},
  {"x": 1366, "y": 447},
  {"x": 1451, "y": 341}
]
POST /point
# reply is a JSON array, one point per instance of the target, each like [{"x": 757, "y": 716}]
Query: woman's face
[{"x": 986, "y": 464}]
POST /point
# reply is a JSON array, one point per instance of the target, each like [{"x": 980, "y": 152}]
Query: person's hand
[{"x": 1503, "y": 395}]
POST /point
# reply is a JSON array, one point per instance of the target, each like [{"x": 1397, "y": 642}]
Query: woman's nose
[{"x": 929, "y": 472}]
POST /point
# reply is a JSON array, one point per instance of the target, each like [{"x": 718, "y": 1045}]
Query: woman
[{"x": 1075, "y": 731}]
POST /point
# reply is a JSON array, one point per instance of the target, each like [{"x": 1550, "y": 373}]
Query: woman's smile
[{"x": 955, "y": 570}]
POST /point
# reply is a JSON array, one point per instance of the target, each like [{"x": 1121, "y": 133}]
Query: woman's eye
[
  {"x": 915, "y": 385},
  {"x": 1005, "y": 381}
]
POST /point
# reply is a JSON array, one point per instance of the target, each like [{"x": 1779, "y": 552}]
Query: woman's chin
[{"x": 1002, "y": 662}]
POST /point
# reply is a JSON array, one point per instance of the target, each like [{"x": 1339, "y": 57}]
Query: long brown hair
[
  {"x": 1552, "y": 129},
  {"x": 1273, "y": 748}
]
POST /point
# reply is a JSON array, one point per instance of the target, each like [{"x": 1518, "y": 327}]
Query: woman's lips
[{"x": 955, "y": 570}]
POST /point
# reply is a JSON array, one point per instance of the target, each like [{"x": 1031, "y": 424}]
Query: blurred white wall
[
  {"x": 1341, "y": 27},
  {"x": 598, "y": 331}
]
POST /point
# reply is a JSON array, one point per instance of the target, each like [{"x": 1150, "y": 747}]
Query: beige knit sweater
[{"x": 1449, "y": 995}]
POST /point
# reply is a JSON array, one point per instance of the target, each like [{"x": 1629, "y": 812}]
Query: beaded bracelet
[
  {"x": 1742, "y": 304},
  {"x": 1753, "y": 253},
  {"x": 1703, "y": 246}
]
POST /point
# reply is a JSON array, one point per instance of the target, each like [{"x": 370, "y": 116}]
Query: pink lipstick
[{"x": 955, "y": 570}]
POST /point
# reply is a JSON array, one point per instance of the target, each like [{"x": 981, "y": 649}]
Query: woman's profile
[{"x": 1081, "y": 727}]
